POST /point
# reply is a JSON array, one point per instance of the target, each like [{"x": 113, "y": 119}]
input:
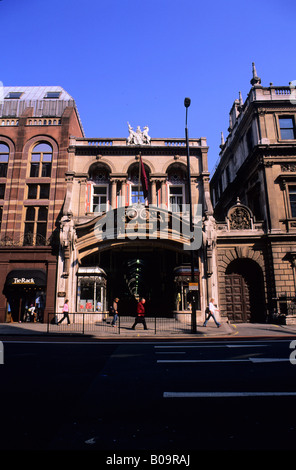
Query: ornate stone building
[
  {"x": 35, "y": 126},
  {"x": 253, "y": 190},
  {"x": 125, "y": 226}
]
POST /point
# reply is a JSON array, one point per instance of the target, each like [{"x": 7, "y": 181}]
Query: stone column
[
  {"x": 272, "y": 201},
  {"x": 123, "y": 191},
  {"x": 50, "y": 291},
  {"x": 153, "y": 192},
  {"x": 82, "y": 195},
  {"x": 113, "y": 193},
  {"x": 163, "y": 193}
]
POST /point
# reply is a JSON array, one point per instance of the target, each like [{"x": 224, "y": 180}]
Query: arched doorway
[
  {"x": 134, "y": 271},
  {"x": 244, "y": 289}
]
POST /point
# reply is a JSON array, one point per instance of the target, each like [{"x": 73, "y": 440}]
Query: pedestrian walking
[
  {"x": 115, "y": 311},
  {"x": 212, "y": 310},
  {"x": 32, "y": 313},
  {"x": 140, "y": 318},
  {"x": 65, "y": 312}
]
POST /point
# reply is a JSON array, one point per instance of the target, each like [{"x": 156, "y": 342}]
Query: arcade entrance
[{"x": 138, "y": 272}]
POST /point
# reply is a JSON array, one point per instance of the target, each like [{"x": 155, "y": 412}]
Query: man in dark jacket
[{"x": 140, "y": 318}]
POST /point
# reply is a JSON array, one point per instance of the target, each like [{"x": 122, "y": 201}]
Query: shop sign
[
  {"x": 23, "y": 280},
  {"x": 193, "y": 285}
]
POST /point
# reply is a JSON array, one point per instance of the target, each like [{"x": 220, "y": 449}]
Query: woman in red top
[{"x": 140, "y": 318}]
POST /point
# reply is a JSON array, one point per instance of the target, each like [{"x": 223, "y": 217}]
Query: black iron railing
[{"x": 101, "y": 323}]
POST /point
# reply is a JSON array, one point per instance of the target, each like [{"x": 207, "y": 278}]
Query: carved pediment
[{"x": 239, "y": 217}]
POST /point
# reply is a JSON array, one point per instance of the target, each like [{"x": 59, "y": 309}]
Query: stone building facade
[
  {"x": 35, "y": 126},
  {"x": 253, "y": 190},
  {"x": 119, "y": 241}
]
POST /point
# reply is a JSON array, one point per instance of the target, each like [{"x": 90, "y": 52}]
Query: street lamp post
[{"x": 187, "y": 102}]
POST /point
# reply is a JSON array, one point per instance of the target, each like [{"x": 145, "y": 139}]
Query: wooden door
[{"x": 237, "y": 298}]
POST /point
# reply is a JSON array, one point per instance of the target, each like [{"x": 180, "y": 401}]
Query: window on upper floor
[
  {"x": 14, "y": 95},
  {"x": 38, "y": 191},
  {"x": 99, "y": 199},
  {"x": 2, "y": 191},
  {"x": 35, "y": 225},
  {"x": 287, "y": 128},
  {"x": 292, "y": 198},
  {"x": 1, "y": 213},
  {"x": 4, "y": 156},
  {"x": 249, "y": 139},
  {"x": 177, "y": 180},
  {"x": 53, "y": 94},
  {"x": 176, "y": 198},
  {"x": 41, "y": 159},
  {"x": 137, "y": 196}
]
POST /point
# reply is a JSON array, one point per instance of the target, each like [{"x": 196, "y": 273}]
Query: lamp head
[{"x": 187, "y": 102}]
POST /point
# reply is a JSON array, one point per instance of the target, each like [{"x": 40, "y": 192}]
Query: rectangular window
[
  {"x": 137, "y": 197},
  {"x": 249, "y": 138},
  {"x": 14, "y": 95},
  {"x": 46, "y": 166},
  {"x": 3, "y": 165},
  {"x": 32, "y": 191},
  {"x": 2, "y": 191},
  {"x": 99, "y": 199},
  {"x": 1, "y": 213},
  {"x": 44, "y": 191},
  {"x": 287, "y": 128},
  {"x": 41, "y": 165},
  {"x": 292, "y": 197},
  {"x": 176, "y": 198},
  {"x": 35, "y": 225},
  {"x": 53, "y": 94},
  {"x": 38, "y": 191}
]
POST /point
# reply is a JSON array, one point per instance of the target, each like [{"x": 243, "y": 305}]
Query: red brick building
[{"x": 36, "y": 123}]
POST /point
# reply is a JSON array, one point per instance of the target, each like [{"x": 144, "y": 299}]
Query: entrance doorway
[
  {"x": 244, "y": 289},
  {"x": 24, "y": 289},
  {"x": 19, "y": 301},
  {"x": 140, "y": 272}
]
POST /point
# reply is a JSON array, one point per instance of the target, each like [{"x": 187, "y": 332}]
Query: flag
[{"x": 144, "y": 179}]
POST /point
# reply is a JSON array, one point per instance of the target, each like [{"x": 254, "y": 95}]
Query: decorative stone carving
[
  {"x": 209, "y": 240},
  {"x": 288, "y": 167},
  {"x": 138, "y": 137},
  {"x": 239, "y": 218},
  {"x": 67, "y": 232}
]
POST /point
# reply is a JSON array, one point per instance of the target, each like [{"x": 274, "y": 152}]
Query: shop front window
[
  {"x": 91, "y": 290},
  {"x": 183, "y": 295}
]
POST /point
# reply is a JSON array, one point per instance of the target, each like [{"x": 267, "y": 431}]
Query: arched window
[
  {"x": 4, "y": 156},
  {"x": 98, "y": 188},
  {"x": 41, "y": 159},
  {"x": 136, "y": 189}
]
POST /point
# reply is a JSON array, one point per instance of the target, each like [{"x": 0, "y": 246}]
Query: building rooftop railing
[{"x": 122, "y": 142}]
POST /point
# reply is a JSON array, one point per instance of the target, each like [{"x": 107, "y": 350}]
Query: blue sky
[{"x": 125, "y": 60}]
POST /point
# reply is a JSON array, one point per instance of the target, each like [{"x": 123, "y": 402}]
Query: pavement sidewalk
[{"x": 226, "y": 330}]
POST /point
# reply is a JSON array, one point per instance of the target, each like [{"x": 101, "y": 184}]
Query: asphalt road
[{"x": 166, "y": 397}]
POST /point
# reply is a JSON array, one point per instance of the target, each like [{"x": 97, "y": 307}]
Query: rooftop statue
[{"x": 138, "y": 137}]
